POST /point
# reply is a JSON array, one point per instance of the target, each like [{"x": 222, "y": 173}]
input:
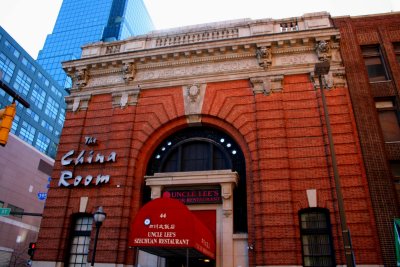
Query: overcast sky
[{"x": 29, "y": 21}]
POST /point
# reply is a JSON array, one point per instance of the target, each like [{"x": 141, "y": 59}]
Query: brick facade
[
  {"x": 281, "y": 132},
  {"x": 380, "y": 30}
]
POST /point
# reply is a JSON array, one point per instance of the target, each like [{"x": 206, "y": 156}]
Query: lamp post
[
  {"x": 99, "y": 216},
  {"x": 322, "y": 68}
]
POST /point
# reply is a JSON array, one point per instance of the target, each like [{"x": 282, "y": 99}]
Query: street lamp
[
  {"x": 99, "y": 216},
  {"x": 322, "y": 68}
]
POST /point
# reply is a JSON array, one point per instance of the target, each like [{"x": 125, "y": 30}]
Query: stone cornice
[{"x": 107, "y": 67}]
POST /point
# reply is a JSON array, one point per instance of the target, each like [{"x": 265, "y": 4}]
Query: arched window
[
  {"x": 202, "y": 149},
  {"x": 316, "y": 237}
]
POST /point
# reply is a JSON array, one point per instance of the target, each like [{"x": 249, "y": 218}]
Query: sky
[{"x": 29, "y": 21}]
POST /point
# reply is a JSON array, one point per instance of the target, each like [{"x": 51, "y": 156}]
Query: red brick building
[
  {"x": 229, "y": 114},
  {"x": 370, "y": 47}
]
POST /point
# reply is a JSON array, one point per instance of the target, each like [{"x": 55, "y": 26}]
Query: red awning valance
[{"x": 166, "y": 227}]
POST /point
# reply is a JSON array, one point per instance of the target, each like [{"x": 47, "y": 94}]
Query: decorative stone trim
[
  {"x": 260, "y": 85},
  {"x": 264, "y": 56},
  {"x": 128, "y": 71},
  {"x": 267, "y": 85},
  {"x": 334, "y": 79},
  {"x": 323, "y": 50},
  {"x": 125, "y": 98},
  {"x": 113, "y": 49},
  {"x": 80, "y": 78},
  {"x": 77, "y": 102},
  {"x": 196, "y": 37},
  {"x": 193, "y": 98}
]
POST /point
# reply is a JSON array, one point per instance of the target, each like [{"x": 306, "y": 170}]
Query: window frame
[
  {"x": 326, "y": 231},
  {"x": 368, "y": 54},
  {"x": 396, "y": 49},
  {"x": 385, "y": 109},
  {"x": 79, "y": 233}
]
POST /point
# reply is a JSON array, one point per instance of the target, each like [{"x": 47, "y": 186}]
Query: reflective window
[
  {"x": 47, "y": 126},
  {"x": 55, "y": 91},
  {"x": 78, "y": 253},
  {"x": 32, "y": 114},
  {"x": 12, "y": 49},
  {"x": 22, "y": 83},
  {"x": 61, "y": 117},
  {"x": 28, "y": 64},
  {"x": 374, "y": 63},
  {"x": 51, "y": 108},
  {"x": 316, "y": 237},
  {"x": 27, "y": 132},
  {"x": 15, "y": 124},
  {"x": 7, "y": 67},
  {"x": 38, "y": 96},
  {"x": 42, "y": 142}
]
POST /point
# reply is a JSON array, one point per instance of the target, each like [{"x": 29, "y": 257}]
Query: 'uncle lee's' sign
[{"x": 91, "y": 157}]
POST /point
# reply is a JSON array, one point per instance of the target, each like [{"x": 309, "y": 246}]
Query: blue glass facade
[
  {"x": 82, "y": 22},
  {"x": 41, "y": 124}
]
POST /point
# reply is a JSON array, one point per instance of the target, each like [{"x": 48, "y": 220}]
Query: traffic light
[
  {"x": 32, "y": 248},
  {"x": 6, "y": 118}
]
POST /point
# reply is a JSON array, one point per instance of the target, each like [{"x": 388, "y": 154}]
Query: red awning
[{"x": 166, "y": 227}]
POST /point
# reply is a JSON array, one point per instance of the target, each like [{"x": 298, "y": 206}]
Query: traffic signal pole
[{"x": 13, "y": 94}]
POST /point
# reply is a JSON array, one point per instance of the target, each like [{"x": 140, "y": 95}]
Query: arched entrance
[{"x": 205, "y": 169}]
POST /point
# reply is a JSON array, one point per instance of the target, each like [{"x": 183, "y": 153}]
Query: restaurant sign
[
  {"x": 82, "y": 158},
  {"x": 166, "y": 223},
  {"x": 195, "y": 196}
]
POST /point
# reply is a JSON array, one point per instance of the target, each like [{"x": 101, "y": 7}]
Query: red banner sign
[{"x": 168, "y": 223}]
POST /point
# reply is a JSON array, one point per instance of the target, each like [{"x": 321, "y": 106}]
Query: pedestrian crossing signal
[{"x": 32, "y": 248}]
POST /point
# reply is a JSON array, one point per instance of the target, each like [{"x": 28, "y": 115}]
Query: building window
[
  {"x": 61, "y": 117},
  {"x": 27, "y": 132},
  {"x": 42, "y": 142},
  {"x": 7, "y": 67},
  {"x": 374, "y": 63},
  {"x": 15, "y": 124},
  {"x": 38, "y": 96},
  {"x": 28, "y": 64},
  {"x": 316, "y": 237},
  {"x": 395, "y": 168},
  {"x": 80, "y": 241},
  {"x": 15, "y": 209},
  {"x": 396, "y": 47},
  {"x": 32, "y": 114},
  {"x": 12, "y": 49},
  {"x": 47, "y": 126},
  {"x": 51, "y": 108},
  {"x": 22, "y": 83},
  {"x": 388, "y": 119}
]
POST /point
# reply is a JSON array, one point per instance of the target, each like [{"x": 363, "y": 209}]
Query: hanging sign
[{"x": 85, "y": 157}]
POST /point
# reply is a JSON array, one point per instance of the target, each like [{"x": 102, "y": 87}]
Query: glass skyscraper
[
  {"x": 82, "y": 22},
  {"x": 41, "y": 124}
]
